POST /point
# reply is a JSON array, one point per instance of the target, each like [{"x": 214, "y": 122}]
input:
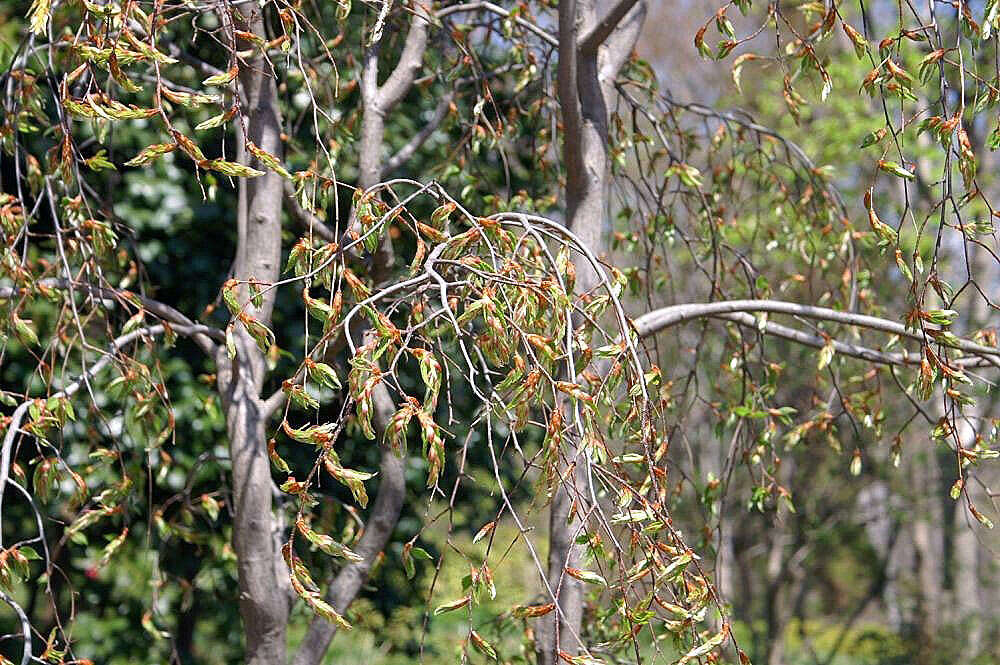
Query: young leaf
[
  {"x": 232, "y": 169},
  {"x": 224, "y": 78},
  {"x": 586, "y": 576},
  {"x": 150, "y": 153},
  {"x": 453, "y": 605}
]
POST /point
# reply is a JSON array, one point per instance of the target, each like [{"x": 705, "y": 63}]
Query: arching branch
[
  {"x": 842, "y": 348},
  {"x": 203, "y": 335},
  {"x": 660, "y": 319},
  {"x": 26, "y": 654},
  {"x": 17, "y": 417}
]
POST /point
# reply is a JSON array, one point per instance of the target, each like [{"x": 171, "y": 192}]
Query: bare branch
[
  {"x": 405, "y": 153},
  {"x": 605, "y": 26},
  {"x": 410, "y": 61},
  {"x": 660, "y": 319},
  {"x": 305, "y": 219},
  {"x": 842, "y": 348},
  {"x": 546, "y": 36},
  {"x": 26, "y": 655},
  {"x": 619, "y": 46}
]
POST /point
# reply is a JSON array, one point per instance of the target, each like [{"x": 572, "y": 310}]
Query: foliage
[{"x": 439, "y": 326}]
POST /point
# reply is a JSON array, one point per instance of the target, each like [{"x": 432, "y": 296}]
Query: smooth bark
[
  {"x": 378, "y": 102},
  {"x": 263, "y": 578},
  {"x": 585, "y": 82}
]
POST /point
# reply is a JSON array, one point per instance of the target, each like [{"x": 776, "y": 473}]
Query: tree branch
[
  {"x": 405, "y": 153},
  {"x": 749, "y": 123},
  {"x": 26, "y": 655},
  {"x": 619, "y": 45},
  {"x": 203, "y": 338},
  {"x": 410, "y": 61},
  {"x": 842, "y": 348},
  {"x": 306, "y": 219},
  {"x": 14, "y": 425},
  {"x": 604, "y": 27},
  {"x": 569, "y": 105},
  {"x": 378, "y": 101},
  {"x": 660, "y": 319},
  {"x": 547, "y": 37}
]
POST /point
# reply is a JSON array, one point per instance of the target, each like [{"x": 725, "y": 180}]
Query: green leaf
[
  {"x": 29, "y": 553},
  {"x": 453, "y": 605},
  {"x": 224, "y": 78},
  {"x": 99, "y": 162},
  {"x": 150, "y": 153},
  {"x": 25, "y": 330},
  {"x": 232, "y": 169},
  {"x": 705, "y": 647},
  {"x": 895, "y": 169},
  {"x": 216, "y": 120}
]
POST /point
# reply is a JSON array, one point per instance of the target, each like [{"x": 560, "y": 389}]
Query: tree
[{"x": 458, "y": 281}]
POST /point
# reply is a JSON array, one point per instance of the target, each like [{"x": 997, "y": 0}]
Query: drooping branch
[
  {"x": 203, "y": 337},
  {"x": 16, "y": 418},
  {"x": 378, "y": 101},
  {"x": 468, "y": 276},
  {"x": 378, "y": 529},
  {"x": 381, "y": 521},
  {"x": 742, "y": 119}
]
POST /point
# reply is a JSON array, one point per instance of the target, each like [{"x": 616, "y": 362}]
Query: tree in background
[{"x": 448, "y": 243}]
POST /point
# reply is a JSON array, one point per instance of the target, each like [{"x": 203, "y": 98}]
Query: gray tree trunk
[
  {"x": 586, "y": 78},
  {"x": 263, "y": 579},
  {"x": 378, "y": 101}
]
